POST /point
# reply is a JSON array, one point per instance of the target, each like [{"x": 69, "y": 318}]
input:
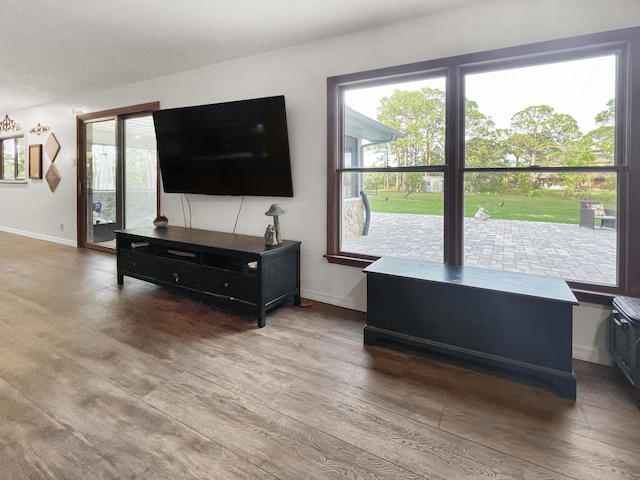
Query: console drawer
[
  {"x": 231, "y": 284},
  {"x": 136, "y": 263},
  {"x": 179, "y": 273}
]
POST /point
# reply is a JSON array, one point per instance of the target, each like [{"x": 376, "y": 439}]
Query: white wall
[
  {"x": 591, "y": 333},
  {"x": 300, "y": 74}
]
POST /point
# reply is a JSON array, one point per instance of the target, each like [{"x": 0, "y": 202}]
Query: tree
[
  {"x": 540, "y": 136},
  {"x": 483, "y": 148},
  {"x": 607, "y": 117},
  {"x": 420, "y": 115},
  {"x": 538, "y": 132},
  {"x": 604, "y": 136},
  {"x": 580, "y": 154},
  {"x": 485, "y": 152},
  {"x": 477, "y": 124}
]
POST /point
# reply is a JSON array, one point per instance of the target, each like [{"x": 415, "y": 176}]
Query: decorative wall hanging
[
  {"x": 8, "y": 125},
  {"x": 52, "y": 147},
  {"x": 52, "y": 177},
  {"x": 35, "y": 161},
  {"x": 39, "y": 130}
]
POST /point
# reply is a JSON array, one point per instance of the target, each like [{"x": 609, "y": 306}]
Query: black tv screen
[{"x": 232, "y": 148}]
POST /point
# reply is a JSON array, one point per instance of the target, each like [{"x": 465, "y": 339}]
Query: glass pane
[
  {"x": 13, "y": 165},
  {"x": 560, "y": 114},
  {"x": 140, "y": 172},
  {"x": 400, "y": 124},
  {"x": 386, "y": 221},
  {"x": 101, "y": 181},
  {"x": 564, "y": 226},
  {"x": 8, "y": 159}
]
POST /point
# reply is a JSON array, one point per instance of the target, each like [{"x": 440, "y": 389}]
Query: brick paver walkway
[{"x": 539, "y": 248}]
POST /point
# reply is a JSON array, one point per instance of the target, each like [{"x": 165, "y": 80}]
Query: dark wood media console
[
  {"x": 212, "y": 265},
  {"x": 511, "y": 325}
]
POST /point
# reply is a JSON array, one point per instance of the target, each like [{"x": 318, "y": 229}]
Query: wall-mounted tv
[{"x": 232, "y": 148}]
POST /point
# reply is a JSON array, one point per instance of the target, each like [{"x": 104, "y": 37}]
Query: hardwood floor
[{"x": 98, "y": 381}]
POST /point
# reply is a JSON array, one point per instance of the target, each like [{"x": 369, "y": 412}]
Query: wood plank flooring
[{"x": 103, "y": 382}]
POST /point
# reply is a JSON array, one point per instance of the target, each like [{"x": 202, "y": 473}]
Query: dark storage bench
[
  {"x": 511, "y": 325},
  {"x": 624, "y": 338}
]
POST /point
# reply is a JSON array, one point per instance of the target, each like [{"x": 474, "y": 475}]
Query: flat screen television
[{"x": 231, "y": 148}]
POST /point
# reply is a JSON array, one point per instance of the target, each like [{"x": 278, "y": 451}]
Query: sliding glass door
[
  {"x": 117, "y": 175},
  {"x": 102, "y": 214}
]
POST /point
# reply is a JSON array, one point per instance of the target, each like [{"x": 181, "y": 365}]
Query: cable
[
  {"x": 238, "y": 215},
  {"x": 189, "y": 205},
  {"x": 184, "y": 217},
  {"x": 184, "y": 197}
]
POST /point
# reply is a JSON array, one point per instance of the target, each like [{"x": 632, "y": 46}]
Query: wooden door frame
[{"x": 81, "y": 170}]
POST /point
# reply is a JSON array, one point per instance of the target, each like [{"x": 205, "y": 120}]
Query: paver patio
[{"x": 539, "y": 248}]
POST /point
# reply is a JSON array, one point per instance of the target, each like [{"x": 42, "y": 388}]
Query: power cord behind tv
[
  {"x": 238, "y": 215},
  {"x": 184, "y": 197}
]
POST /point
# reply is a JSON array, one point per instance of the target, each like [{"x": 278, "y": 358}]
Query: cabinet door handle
[
  {"x": 176, "y": 277},
  {"x": 226, "y": 284},
  {"x": 181, "y": 254}
]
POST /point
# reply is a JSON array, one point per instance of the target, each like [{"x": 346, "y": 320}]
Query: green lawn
[{"x": 537, "y": 208}]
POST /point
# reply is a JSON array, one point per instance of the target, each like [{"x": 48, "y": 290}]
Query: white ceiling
[{"x": 59, "y": 49}]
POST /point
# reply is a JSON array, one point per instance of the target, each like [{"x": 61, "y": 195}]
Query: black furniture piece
[
  {"x": 212, "y": 265},
  {"x": 624, "y": 338},
  {"x": 510, "y": 325},
  {"x": 103, "y": 232}
]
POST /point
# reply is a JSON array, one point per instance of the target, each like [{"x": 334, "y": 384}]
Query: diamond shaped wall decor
[
  {"x": 52, "y": 147},
  {"x": 52, "y": 177}
]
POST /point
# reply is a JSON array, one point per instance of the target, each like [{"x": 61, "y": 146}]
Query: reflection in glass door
[
  {"x": 140, "y": 173},
  {"x": 121, "y": 176},
  {"x": 102, "y": 209}
]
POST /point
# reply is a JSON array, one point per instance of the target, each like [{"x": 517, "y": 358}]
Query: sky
[{"x": 579, "y": 88}]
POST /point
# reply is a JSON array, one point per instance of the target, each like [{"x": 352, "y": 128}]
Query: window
[
  {"x": 13, "y": 167},
  {"x": 393, "y": 147},
  {"x": 516, "y": 159}
]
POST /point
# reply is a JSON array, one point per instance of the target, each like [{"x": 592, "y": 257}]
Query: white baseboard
[
  {"x": 37, "y": 236},
  {"x": 333, "y": 300},
  {"x": 592, "y": 355}
]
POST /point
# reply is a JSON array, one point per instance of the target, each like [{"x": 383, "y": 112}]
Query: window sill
[
  {"x": 13, "y": 182},
  {"x": 349, "y": 260},
  {"x": 597, "y": 298}
]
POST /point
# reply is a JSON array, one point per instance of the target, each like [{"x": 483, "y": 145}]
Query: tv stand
[{"x": 213, "y": 266}]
